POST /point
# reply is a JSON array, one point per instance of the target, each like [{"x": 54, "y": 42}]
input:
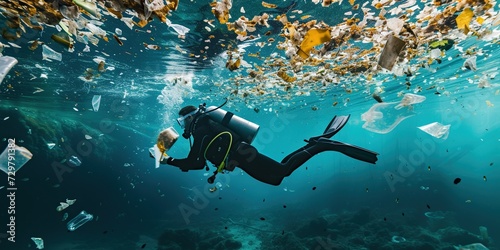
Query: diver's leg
[
  {"x": 335, "y": 125},
  {"x": 352, "y": 151},
  {"x": 322, "y": 144},
  {"x": 257, "y": 165}
]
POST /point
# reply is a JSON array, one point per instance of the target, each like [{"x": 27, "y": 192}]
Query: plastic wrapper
[
  {"x": 50, "y": 54},
  {"x": 436, "y": 129},
  {"x": 18, "y": 159}
]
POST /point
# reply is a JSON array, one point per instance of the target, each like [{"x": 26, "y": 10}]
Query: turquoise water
[{"x": 331, "y": 202}]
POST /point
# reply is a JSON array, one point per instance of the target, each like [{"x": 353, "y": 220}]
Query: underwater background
[{"x": 90, "y": 116}]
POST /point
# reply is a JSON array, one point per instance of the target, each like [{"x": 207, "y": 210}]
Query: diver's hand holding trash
[
  {"x": 165, "y": 141},
  {"x": 224, "y": 139}
]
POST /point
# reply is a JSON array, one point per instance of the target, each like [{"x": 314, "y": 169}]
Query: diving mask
[{"x": 181, "y": 120}]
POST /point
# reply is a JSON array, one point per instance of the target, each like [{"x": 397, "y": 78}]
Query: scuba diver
[{"x": 224, "y": 139}]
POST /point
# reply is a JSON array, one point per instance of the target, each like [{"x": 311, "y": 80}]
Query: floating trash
[
  {"x": 38, "y": 242},
  {"x": 6, "y": 63},
  {"x": 50, "y": 54},
  {"x": 82, "y": 218},
  {"x": 470, "y": 63},
  {"x": 483, "y": 231},
  {"x": 61, "y": 207},
  {"x": 474, "y": 246},
  {"x": 51, "y": 145},
  {"x": 436, "y": 129},
  {"x": 181, "y": 30},
  {"x": 96, "y": 102},
  {"x": 390, "y": 53},
  {"x": 65, "y": 217},
  {"x": 21, "y": 156},
  {"x": 435, "y": 215},
  {"x": 410, "y": 99},
  {"x": 398, "y": 239},
  {"x": 75, "y": 161},
  {"x": 89, "y": 6},
  {"x": 382, "y": 117}
]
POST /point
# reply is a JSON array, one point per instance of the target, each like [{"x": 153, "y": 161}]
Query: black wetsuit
[{"x": 244, "y": 155}]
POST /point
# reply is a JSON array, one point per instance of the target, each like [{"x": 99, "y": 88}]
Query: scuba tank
[{"x": 244, "y": 128}]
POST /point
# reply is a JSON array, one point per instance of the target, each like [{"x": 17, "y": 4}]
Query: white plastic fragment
[
  {"x": 61, "y": 207},
  {"x": 6, "y": 63},
  {"x": 128, "y": 21},
  {"x": 155, "y": 151},
  {"x": 38, "y": 242},
  {"x": 51, "y": 145},
  {"x": 70, "y": 202},
  {"x": 75, "y": 161},
  {"x": 436, "y": 129},
  {"x": 49, "y": 54},
  {"x": 181, "y": 30},
  {"x": 88, "y": 137},
  {"x": 96, "y": 102},
  {"x": 14, "y": 45},
  {"x": 118, "y": 31},
  {"x": 395, "y": 24},
  {"x": 470, "y": 63},
  {"x": 435, "y": 53}
]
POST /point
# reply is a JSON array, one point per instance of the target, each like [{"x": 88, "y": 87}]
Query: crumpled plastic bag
[{"x": 383, "y": 117}]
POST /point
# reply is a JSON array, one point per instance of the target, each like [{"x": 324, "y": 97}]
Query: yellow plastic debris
[
  {"x": 283, "y": 75},
  {"x": 463, "y": 20},
  {"x": 269, "y": 5},
  {"x": 312, "y": 38},
  {"x": 233, "y": 65},
  {"x": 480, "y": 20}
]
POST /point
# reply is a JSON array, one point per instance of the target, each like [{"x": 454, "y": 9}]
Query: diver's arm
[{"x": 195, "y": 159}]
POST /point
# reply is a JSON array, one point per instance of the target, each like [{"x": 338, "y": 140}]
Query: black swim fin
[
  {"x": 335, "y": 125},
  {"x": 352, "y": 151}
]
